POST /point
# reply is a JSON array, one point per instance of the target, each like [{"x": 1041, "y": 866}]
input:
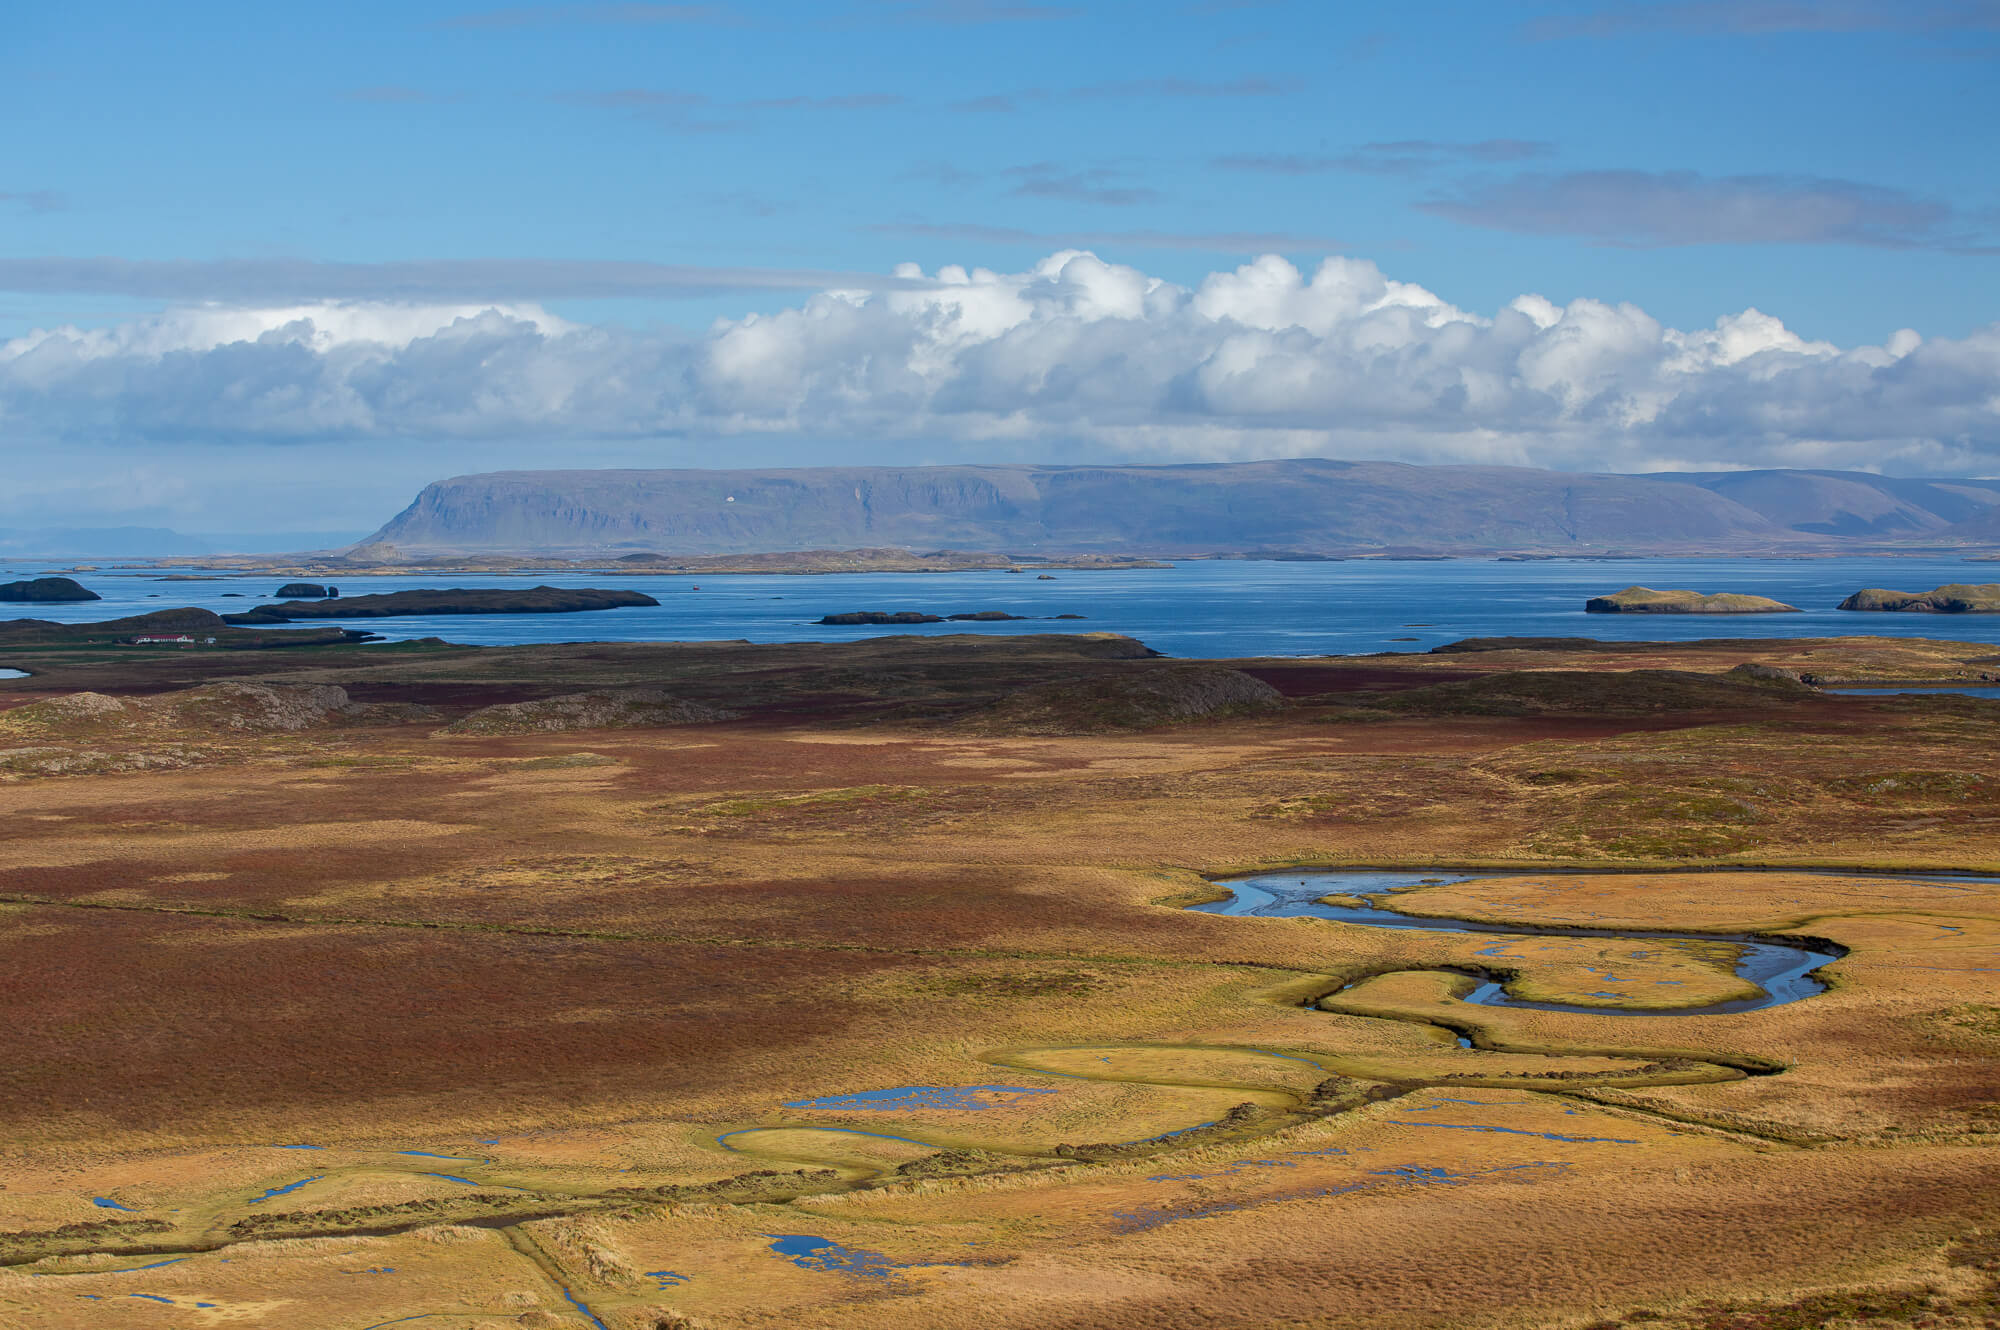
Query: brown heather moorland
[{"x": 374, "y": 1016}]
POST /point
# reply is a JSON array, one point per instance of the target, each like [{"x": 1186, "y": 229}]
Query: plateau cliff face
[{"x": 1303, "y": 505}]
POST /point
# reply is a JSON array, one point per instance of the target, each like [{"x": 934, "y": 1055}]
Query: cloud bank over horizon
[{"x": 1073, "y": 359}]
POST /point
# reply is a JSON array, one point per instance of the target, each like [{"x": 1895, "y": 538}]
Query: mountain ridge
[{"x": 1307, "y": 505}]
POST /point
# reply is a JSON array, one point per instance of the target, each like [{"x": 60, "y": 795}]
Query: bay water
[{"x": 1197, "y": 608}]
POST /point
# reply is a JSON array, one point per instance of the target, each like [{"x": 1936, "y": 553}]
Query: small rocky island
[
  {"x": 857, "y": 617},
  {"x": 1645, "y": 600},
  {"x": 43, "y": 589},
  {"x": 455, "y": 600},
  {"x": 307, "y": 591},
  {"x": 1955, "y": 598}
]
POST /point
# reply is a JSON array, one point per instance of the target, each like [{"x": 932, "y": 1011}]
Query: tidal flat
[{"x": 892, "y": 989}]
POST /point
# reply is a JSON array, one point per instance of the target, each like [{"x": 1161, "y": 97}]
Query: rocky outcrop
[
  {"x": 1758, "y": 672},
  {"x": 455, "y": 600},
  {"x": 1171, "y": 696},
  {"x": 196, "y": 623},
  {"x": 985, "y": 616},
  {"x": 306, "y": 591},
  {"x": 247, "y": 708},
  {"x": 1954, "y": 598},
  {"x": 857, "y": 617},
  {"x": 47, "y": 589},
  {"x": 606, "y": 709},
  {"x": 1645, "y": 600}
]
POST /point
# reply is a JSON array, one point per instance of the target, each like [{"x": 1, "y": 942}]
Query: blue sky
[{"x": 1829, "y": 164}]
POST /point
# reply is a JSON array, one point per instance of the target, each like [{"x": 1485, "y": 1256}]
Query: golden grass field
[{"x": 363, "y": 1023}]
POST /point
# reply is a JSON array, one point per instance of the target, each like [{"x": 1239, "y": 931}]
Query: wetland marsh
[{"x": 864, "y": 1009}]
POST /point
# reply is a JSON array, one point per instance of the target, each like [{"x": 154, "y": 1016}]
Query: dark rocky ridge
[
  {"x": 602, "y": 709},
  {"x": 47, "y": 589},
  {"x": 1304, "y": 506},
  {"x": 188, "y": 620},
  {"x": 456, "y": 600},
  {"x": 855, "y": 618},
  {"x": 1176, "y": 694}
]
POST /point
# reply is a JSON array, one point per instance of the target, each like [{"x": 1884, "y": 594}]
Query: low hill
[
  {"x": 453, "y": 600},
  {"x": 1956, "y": 598},
  {"x": 46, "y": 589},
  {"x": 1645, "y": 600}
]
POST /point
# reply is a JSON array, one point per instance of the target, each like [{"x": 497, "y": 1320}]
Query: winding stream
[{"x": 1783, "y": 971}]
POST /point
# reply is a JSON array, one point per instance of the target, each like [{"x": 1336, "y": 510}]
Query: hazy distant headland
[{"x": 1309, "y": 506}]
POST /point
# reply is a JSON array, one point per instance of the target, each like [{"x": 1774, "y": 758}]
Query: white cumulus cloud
[{"x": 1264, "y": 360}]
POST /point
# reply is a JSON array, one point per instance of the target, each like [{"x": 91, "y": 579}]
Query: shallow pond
[{"x": 969, "y": 1098}]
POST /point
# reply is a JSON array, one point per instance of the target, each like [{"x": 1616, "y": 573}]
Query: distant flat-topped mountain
[{"x": 1303, "y": 505}]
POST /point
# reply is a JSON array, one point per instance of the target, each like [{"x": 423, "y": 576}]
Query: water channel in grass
[{"x": 1784, "y": 970}]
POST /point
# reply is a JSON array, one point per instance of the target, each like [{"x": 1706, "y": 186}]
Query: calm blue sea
[{"x": 1194, "y": 609}]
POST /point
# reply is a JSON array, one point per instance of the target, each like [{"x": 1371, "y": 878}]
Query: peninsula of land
[{"x": 454, "y": 600}]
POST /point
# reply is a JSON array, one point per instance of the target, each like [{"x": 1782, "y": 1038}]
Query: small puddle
[
  {"x": 13, "y": 674},
  {"x": 968, "y": 1098},
  {"x": 106, "y": 1203},
  {"x": 288, "y": 1187},
  {"x": 816, "y": 1253}
]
